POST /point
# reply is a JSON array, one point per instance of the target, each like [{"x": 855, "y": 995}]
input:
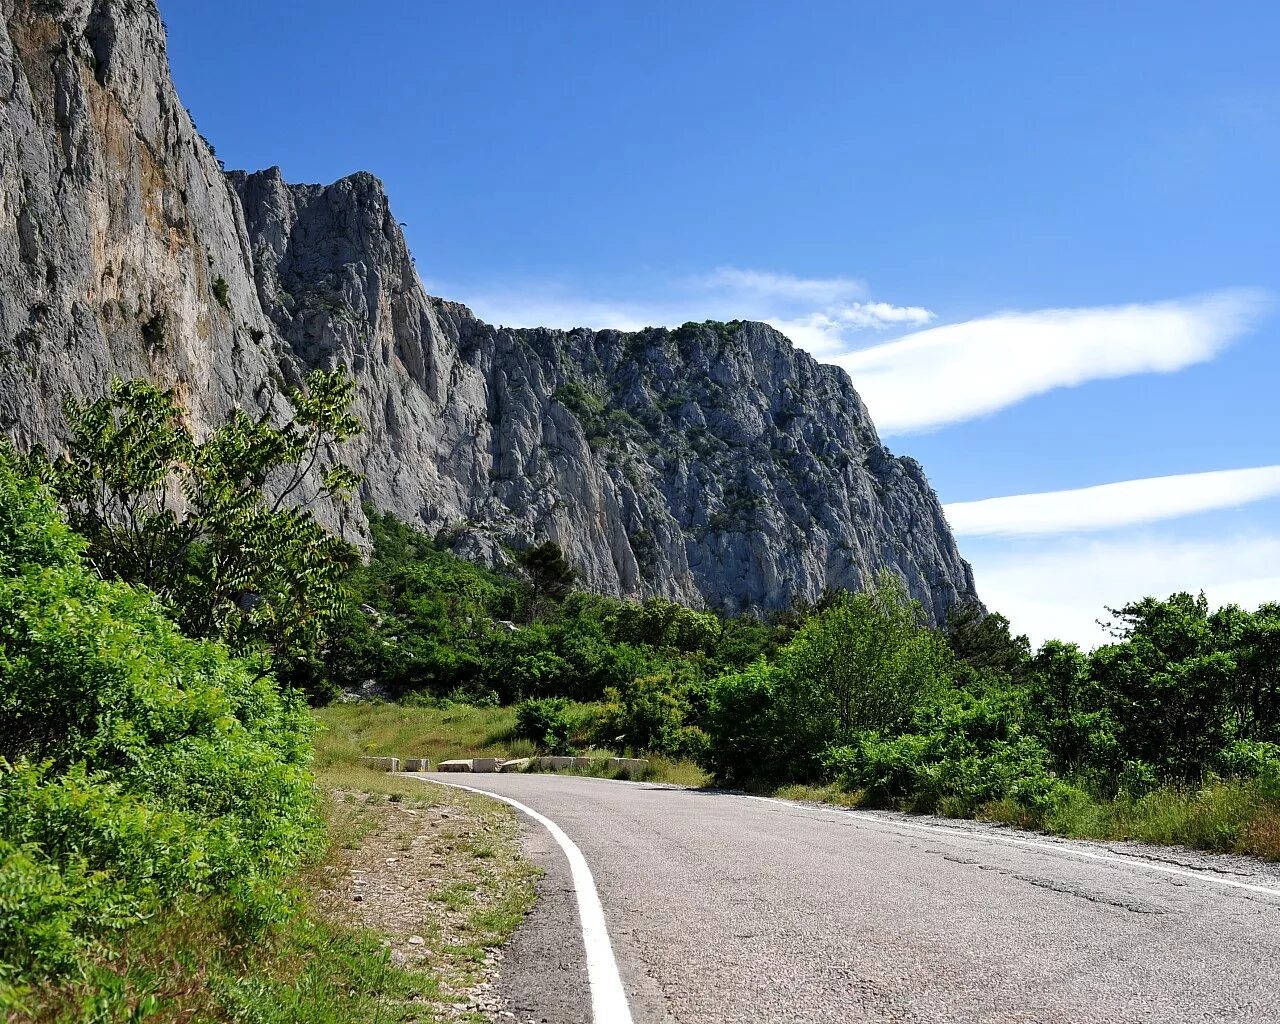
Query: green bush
[
  {"x": 747, "y": 743},
  {"x": 864, "y": 663},
  {"x": 547, "y": 722},
  {"x": 135, "y": 764},
  {"x": 960, "y": 756},
  {"x": 653, "y": 714},
  {"x": 1258, "y": 761}
]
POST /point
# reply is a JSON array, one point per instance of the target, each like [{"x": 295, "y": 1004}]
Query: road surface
[{"x": 725, "y": 908}]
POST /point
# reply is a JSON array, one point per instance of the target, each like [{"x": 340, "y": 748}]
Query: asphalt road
[{"x": 722, "y": 908}]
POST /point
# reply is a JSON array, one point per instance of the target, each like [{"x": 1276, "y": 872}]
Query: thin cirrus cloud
[
  {"x": 923, "y": 380},
  {"x": 821, "y": 315},
  {"x": 961, "y": 371},
  {"x": 755, "y": 285},
  {"x": 1109, "y": 506}
]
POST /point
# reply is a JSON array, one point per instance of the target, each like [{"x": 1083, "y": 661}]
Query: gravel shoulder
[{"x": 440, "y": 875}]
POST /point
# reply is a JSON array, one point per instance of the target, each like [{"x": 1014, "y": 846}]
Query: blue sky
[{"x": 1042, "y": 238}]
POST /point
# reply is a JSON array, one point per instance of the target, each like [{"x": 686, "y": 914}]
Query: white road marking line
[
  {"x": 1168, "y": 869},
  {"x": 608, "y": 998}
]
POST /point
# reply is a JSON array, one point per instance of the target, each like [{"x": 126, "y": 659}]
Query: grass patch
[
  {"x": 460, "y": 730},
  {"x": 1230, "y": 816},
  {"x": 1224, "y": 816}
]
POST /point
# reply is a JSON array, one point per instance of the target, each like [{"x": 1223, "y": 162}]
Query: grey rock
[{"x": 713, "y": 464}]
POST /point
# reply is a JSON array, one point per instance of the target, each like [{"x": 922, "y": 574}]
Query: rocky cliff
[{"x": 711, "y": 463}]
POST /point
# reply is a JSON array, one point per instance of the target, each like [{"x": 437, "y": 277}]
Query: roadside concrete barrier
[
  {"x": 469, "y": 764},
  {"x": 381, "y": 764},
  {"x": 631, "y": 767}
]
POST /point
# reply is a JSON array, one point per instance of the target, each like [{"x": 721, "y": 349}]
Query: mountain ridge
[{"x": 711, "y": 463}]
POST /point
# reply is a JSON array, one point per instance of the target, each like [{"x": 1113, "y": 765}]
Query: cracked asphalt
[{"x": 724, "y": 908}]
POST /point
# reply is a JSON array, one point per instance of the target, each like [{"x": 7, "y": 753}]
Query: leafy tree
[
  {"x": 1067, "y": 710},
  {"x": 865, "y": 663},
  {"x": 546, "y": 722},
  {"x": 220, "y": 528},
  {"x": 667, "y": 625},
  {"x": 748, "y": 743},
  {"x": 1167, "y": 685},
  {"x": 1255, "y": 639},
  {"x": 653, "y": 714},
  {"x": 984, "y": 643},
  {"x": 548, "y": 572}
]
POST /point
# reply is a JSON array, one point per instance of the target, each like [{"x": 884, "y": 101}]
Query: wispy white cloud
[
  {"x": 1107, "y": 506},
  {"x": 821, "y": 315},
  {"x": 923, "y": 380},
  {"x": 1061, "y": 589},
  {"x": 961, "y": 371},
  {"x": 755, "y": 285}
]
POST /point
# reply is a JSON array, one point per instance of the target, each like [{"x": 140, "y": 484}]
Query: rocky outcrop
[{"x": 711, "y": 463}]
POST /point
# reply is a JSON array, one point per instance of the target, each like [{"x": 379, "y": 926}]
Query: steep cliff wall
[{"x": 713, "y": 462}]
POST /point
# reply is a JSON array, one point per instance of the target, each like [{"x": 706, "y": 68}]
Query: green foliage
[
  {"x": 545, "y": 722},
  {"x": 863, "y": 695},
  {"x": 655, "y": 714},
  {"x": 983, "y": 643},
  {"x": 548, "y": 573},
  {"x": 432, "y": 625},
  {"x": 958, "y": 756},
  {"x": 865, "y": 663},
  {"x": 588, "y": 407},
  {"x": 1066, "y": 708},
  {"x": 222, "y": 293},
  {"x": 136, "y": 765},
  {"x": 668, "y": 626},
  {"x": 209, "y": 525},
  {"x": 1173, "y": 684},
  {"x": 748, "y": 741}
]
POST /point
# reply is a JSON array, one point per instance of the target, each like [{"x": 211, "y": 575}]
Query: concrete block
[
  {"x": 586, "y": 762},
  {"x": 457, "y": 765},
  {"x": 416, "y": 764},
  {"x": 634, "y": 767},
  {"x": 555, "y": 763},
  {"x": 484, "y": 764},
  {"x": 381, "y": 764},
  {"x": 516, "y": 764}
]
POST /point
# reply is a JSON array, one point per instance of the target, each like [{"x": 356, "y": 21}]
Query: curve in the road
[
  {"x": 729, "y": 909},
  {"x": 608, "y": 997}
]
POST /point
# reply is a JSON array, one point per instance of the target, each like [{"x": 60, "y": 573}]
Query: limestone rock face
[{"x": 713, "y": 463}]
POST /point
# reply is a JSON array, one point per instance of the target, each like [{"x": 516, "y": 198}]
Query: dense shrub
[
  {"x": 547, "y": 722},
  {"x": 231, "y": 562},
  {"x": 654, "y": 714},
  {"x": 135, "y": 764},
  {"x": 431, "y": 624},
  {"x": 958, "y": 757},
  {"x": 748, "y": 744}
]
